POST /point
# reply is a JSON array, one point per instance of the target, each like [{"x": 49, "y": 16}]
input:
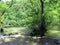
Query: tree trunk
[{"x": 43, "y": 26}]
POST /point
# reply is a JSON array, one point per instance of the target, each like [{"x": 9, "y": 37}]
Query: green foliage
[
  {"x": 52, "y": 13},
  {"x": 3, "y": 7},
  {"x": 23, "y": 13},
  {"x": 28, "y": 13},
  {"x": 52, "y": 18}
]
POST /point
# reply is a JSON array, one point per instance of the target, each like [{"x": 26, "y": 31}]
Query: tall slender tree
[
  {"x": 43, "y": 26},
  {"x": 2, "y": 13}
]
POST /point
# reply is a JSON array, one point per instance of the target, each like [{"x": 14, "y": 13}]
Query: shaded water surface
[{"x": 27, "y": 40}]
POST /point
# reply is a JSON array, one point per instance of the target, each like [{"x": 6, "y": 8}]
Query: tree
[
  {"x": 43, "y": 26},
  {"x": 3, "y": 8}
]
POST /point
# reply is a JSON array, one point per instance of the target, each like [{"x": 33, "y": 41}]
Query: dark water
[{"x": 27, "y": 41}]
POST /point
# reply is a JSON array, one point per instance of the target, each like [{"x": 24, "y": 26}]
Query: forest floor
[
  {"x": 26, "y": 40},
  {"x": 21, "y": 40}
]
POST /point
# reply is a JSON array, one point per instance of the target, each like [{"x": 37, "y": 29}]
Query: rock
[{"x": 57, "y": 41}]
